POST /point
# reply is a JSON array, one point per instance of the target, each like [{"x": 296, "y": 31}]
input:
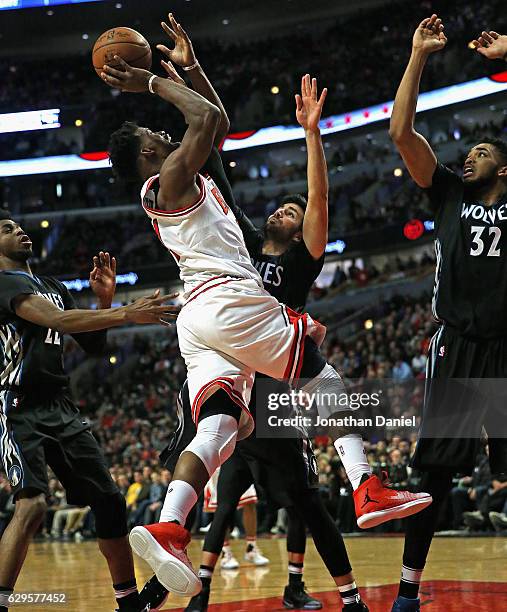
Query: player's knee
[
  {"x": 30, "y": 511},
  {"x": 110, "y": 516},
  {"x": 215, "y": 440}
]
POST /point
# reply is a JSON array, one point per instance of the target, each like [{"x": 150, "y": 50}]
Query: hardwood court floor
[{"x": 463, "y": 574}]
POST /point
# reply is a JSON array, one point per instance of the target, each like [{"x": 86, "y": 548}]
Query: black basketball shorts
[
  {"x": 465, "y": 393},
  {"x": 37, "y": 433}
]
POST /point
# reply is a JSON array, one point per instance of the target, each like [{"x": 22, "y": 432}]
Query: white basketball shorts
[{"x": 231, "y": 328}]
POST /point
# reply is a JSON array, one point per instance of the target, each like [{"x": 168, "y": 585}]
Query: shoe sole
[
  {"x": 290, "y": 606},
  {"x": 263, "y": 564},
  {"x": 372, "y": 519},
  {"x": 230, "y": 567},
  {"x": 172, "y": 573}
]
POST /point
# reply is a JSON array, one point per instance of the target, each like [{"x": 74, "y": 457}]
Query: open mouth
[
  {"x": 25, "y": 240},
  {"x": 467, "y": 171}
]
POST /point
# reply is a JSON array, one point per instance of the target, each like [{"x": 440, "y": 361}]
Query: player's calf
[{"x": 163, "y": 546}]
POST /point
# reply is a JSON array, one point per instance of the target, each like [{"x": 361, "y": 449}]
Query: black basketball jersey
[
  {"x": 470, "y": 292},
  {"x": 288, "y": 277},
  {"x": 31, "y": 355}
]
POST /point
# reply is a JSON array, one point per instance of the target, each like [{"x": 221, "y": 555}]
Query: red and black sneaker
[
  {"x": 163, "y": 546},
  {"x": 376, "y": 503}
]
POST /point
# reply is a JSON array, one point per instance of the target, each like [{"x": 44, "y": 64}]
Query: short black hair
[
  {"x": 500, "y": 145},
  {"x": 295, "y": 198},
  {"x": 124, "y": 148}
]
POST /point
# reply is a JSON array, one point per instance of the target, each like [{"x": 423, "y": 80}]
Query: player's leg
[
  {"x": 78, "y": 463},
  {"x": 28, "y": 515},
  {"x": 295, "y": 595},
  {"x": 374, "y": 502},
  {"x": 253, "y": 553},
  {"x": 234, "y": 478},
  {"x": 331, "y": 547},
  {"x": 23, "y": 461},
  {"x": 163, "y": 545}
]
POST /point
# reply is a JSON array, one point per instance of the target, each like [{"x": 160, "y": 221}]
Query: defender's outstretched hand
[
  {"x": 127, "y": 78},
  {"x": 492, "y": 45},
  {"x": 183, "y": 53},
  {"x": 429, "y": 36},
  {"x": 103, "y": 277},
  {"x": 308, "y": 107}
]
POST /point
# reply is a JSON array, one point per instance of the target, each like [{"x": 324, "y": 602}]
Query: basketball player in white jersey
[{"x": 229, "y": 327}]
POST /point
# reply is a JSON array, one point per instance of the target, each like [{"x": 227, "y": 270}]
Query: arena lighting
[
  {"x": 272, "y": 135},
  {"x": 30, "y": 120},
  {"x": 78, "y": 284},
  {"x": 9, "y": 5},
  {"x": 429, "y": 100}
]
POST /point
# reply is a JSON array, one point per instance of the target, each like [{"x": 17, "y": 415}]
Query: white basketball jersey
[{"x": 204, "y": 237}]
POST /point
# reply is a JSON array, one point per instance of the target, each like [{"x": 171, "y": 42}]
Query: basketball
[{"x": 125, "y": 42}]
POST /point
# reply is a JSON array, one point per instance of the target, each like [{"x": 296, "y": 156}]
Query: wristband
[
  {"x": 191, "y": 67},
  {"x": 150, "y": 83}
]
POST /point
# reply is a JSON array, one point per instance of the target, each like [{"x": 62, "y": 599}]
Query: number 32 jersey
[
  {"x": 470, "y": 292},
  {"x": 204, "y": 237}
]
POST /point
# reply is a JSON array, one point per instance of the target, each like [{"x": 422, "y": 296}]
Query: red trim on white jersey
[
  {"x": 227, "y": 280},
  {"x": 225, "y": 383},
  {"x": 295, "y": 363},
  {"x": 176, "y": 212}
]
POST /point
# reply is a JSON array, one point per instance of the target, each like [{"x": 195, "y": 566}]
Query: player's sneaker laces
[
  {"x": 153, "y": 594},
  {"x": 163, "y": 546},
  {"x": 199, "y": 603},
  {"x": 254, "y": 555},
  {"x": 402, "y": 604},
  {"x": 296, "y": 598},
  {"x": 228, "y": 560},
  {"x": 376, "y": 503}
]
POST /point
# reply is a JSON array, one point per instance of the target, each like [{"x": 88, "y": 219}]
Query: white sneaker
[
  {"x": 78, "y": 536},
  {"x": 228, "y": 560},
  {"x": 256, "y": 557},
  {"x": 205, "y": 529},
  {"x": 235, "y": 533}
]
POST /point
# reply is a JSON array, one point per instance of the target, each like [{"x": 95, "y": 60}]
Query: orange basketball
[{"x": 125, "y": 42}]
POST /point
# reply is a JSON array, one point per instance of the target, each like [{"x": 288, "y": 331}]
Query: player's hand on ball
[
  {"x": 151, "y": 309},
  {"x": 308, "y": 107},
  {"x": 103, "y": 277},
  {"x": 492, "y": 45},
  {"x": 128, "y": 78},
  {"x": 183, "y": 53},
  {"x": 429, "y": 36}
]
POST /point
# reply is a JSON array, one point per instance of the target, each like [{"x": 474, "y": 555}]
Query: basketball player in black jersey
[
  {"x": 469, "y": 302},
  {"x": 40, "y": 425}
]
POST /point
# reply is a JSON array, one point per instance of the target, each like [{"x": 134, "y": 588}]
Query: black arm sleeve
[
  {"x": 444, "y": 184},
  {"x": 94, "y": 342},
  {"x": 215, "y": 169},
  {"x": 13, "y": 284}
]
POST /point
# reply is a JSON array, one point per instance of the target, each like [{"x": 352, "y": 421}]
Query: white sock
[
  {"x": 179, "y": 500},
  {"x": 350, "y": 448}
]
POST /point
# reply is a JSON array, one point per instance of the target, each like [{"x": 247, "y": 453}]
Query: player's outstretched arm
[
  {"x": 146, "y": 310},
  {"x": 183, "y": 55},
  {"x": 178, "y": 173},
  {"x": 308, "y": 113},
  {"x": 491, "y": 45},
  {"x": 413, "y": 147}
]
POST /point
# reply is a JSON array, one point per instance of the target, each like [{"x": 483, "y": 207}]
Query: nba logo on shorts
[
  {"x": 441, "y": 352},
  {"x": 14, "y": 475}
]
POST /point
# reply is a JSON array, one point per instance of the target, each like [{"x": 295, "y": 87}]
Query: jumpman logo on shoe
[{"x": 368, "y": 499}]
